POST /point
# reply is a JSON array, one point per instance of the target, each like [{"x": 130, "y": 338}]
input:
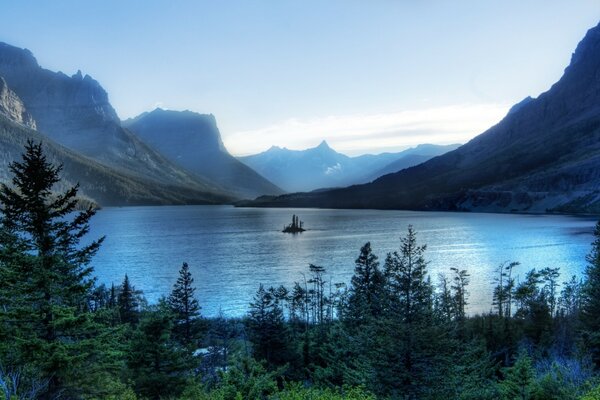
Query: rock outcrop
[{"x": 13, "y": 108}]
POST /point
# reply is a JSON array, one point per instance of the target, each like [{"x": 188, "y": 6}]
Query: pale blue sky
[{"x": 367, "y": 76}]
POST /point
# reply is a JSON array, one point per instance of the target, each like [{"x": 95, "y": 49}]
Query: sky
[{"x": 367, "y": 76}]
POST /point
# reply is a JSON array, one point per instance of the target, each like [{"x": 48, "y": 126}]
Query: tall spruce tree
[
  {"x": 46, "y": 270},
  {"x": 367, "y": 288},
  {"x": 267, "y": 329},
  {"x": 590, "y": 307},
  {"x": 157, "y": 364},
  {"x": 127, "y": 303},
  {"x": 184, "y": 306},
  {"x": 409, "y": 340}
]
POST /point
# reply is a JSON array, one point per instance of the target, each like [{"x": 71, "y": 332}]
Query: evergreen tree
[
  {"x": 184, "y": 306},
  {"x": 410, "y": 290},
  {"x": 409, "y": 341},
  {"x": 519, "y": 382},
  {"x": 367, "y": 289},
  {"x": 590, "y": 307},
  {"x": 45, "y": 271},
  {"x": 128, "y": 303},
  {"x": 267, "y": 329},
  {"x": 157, "y": 365},
  {"x": 460, "y": 293}
]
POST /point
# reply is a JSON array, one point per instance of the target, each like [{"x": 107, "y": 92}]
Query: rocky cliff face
[
  {"x": 99, "y": 183},
  {"x": 72, "y": 110},
  {"x": 75, "y": 112},
  {"x": 193, "y": 141},
  {"x": 13, "y": 108},
  {"x": 543, "y": 156}
]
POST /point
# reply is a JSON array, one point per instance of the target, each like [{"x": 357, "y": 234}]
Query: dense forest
[{"x": 392, "y": 332}]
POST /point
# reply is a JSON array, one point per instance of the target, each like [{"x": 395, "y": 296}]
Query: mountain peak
[
  {"x": 323, "y": 145},
  {"x": 17, "y": 57},
  {"x": 587, "y": 46}
]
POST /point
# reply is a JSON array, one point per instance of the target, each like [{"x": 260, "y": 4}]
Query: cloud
[{"x": 372, "y": 133}]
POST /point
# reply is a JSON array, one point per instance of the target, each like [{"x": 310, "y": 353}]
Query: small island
[{"x": 295, "y": 227}]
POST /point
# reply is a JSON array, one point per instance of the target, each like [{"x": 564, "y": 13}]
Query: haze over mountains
[
  {"x": 543, "y": 156},
  {"x": 74, "y": 111},
  {"x": 192, "y": 141},
  {"x": 323, "y": 167}
]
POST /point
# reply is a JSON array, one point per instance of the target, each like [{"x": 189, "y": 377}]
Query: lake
[{"x": 232, "y": 250}]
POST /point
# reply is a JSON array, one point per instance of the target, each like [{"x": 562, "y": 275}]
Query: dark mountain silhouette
[
  {"x": 193, "y": 141},
  {"x": 543, "y": 156},
  {"x": 322, "y": 166}
]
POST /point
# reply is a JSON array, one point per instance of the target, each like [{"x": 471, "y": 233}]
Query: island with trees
[{"x": 296, "y": 226}]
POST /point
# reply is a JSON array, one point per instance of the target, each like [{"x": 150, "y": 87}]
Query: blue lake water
[{"x": 232, "y": 250}]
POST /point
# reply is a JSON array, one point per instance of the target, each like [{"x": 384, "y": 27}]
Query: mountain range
[
  {"x": 99, "y": 183},
  {"x": 544, "y": 156},
  {"x": 73, "y": 113},
  {"x": 323, "y": 167}
]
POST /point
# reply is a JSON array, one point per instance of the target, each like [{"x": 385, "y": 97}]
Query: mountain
[
  {"x": 543, "y": 156},
  {"x": 411, "y": 157},
  {"x": 74, "y": 111},
  {"x": 192, "y": 141},
  {"x": 322, "y": 166},
  {"x": 98, "y": 183}
]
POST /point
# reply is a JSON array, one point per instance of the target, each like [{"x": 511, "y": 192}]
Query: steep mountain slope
[
  {"x": 193, "y": 142},
  {"x": 98, "y": 182},
  {"x": 75, "y": 112},
  {"x": 413, "y": 156},
  {"x": 543, "y": 156},
  {"x": 321, "y": 166}
]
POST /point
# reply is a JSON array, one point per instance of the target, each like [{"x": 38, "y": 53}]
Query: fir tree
[
  {"x": 519, "y": 382},
  {"x": 267, "y": 329},
  {"x": 184, "y": 306},
  {"x": 46, "y": 273},
  {"x": 128, "y": 303},
  {"x": 590, "y": 307},
  {"x": 157, "y": 365},
  {"x": 366, "y": 292}
]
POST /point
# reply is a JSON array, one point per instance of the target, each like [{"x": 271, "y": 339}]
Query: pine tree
[
  {"x": 590, "y": 307},
  {"x": 408, "y": 338},
  {"x": 367, "y": 289},
  {"x": 128, "y": 303},
  {"x": 519, "y": 383},
  {"x": 46, "y": 273},
  {"x": 409, "y": 287},
  {"x": 184, "y": 306},
  {"x": 267, "y": 329},
  {"x": 156, "y": 364}
]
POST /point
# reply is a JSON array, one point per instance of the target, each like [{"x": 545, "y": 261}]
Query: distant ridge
[
  {"x": 322, "y": 167},
  {"x": 544, "y": 156}
]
